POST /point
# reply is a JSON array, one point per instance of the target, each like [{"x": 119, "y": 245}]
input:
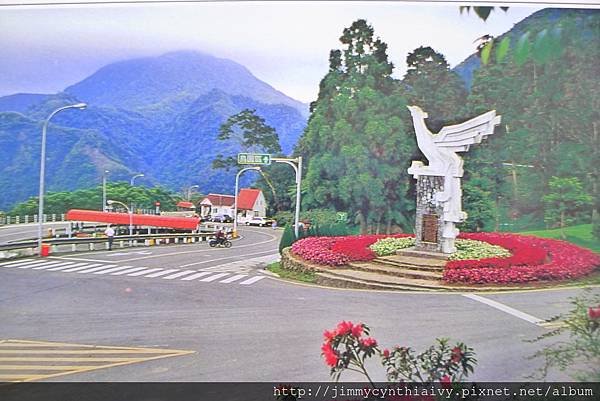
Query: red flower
[
  {"x": 329, "y": 335},
  {"x": 344, "y": 328},
  {"x": 331, "y": 357},
  {"x": 386, "y": 353},
  {"x": 357, "y": 330},
  {"x": 456, "y": 355},
  {"x": 446, "y": 381},
  {"x": 594, "y": 313},
  {"x": 369, "y": 342}
]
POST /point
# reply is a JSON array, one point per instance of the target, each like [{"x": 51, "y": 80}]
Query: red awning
[
  {"x": 149, "y": 220},
  {"x": 187, "y": 205}
]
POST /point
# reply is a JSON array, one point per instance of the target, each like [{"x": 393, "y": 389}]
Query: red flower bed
[
  {"x": 533, "y": 259},
  {"x": 337, "y": 251}
]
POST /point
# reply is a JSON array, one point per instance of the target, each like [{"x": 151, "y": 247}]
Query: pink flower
[
  {"x": 357, "y": 330},
  {"x": 386, "y": 353},
  {"x": 594, "y": 313},
  {"x": 344, "y": 328},
  {"x": 456, "y": 355},
  {"x": 446, "y": 381},
  {"x": 329, "y": 335},
  {"x": 369, "y": 342},
  {"x": 331, "y": 357}
]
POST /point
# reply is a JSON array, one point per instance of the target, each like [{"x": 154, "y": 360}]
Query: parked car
[
  {"x": 222, "y": 218},
  {"x": 260, "y": 221}
]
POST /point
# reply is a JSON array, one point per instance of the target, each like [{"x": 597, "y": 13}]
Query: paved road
[
  {"x": 17, "y": 232},
  {"x": 267, "y": 330}
]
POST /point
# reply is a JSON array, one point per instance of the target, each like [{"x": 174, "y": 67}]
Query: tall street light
[
  {"x": 131, "y": 182},
  {"x": 189, "y": 192},
  {"x": 110, "y": 202},
  {"x": 79, "y": 106},
  {"x": 104, "y": 190},
  {"x": 235, "y": 203}
]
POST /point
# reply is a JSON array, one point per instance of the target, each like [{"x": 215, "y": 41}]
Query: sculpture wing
[{"x": 458, "y": 138}]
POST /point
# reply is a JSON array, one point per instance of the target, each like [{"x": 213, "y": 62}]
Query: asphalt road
[
  {"x": 267, "y": 330},
  {"x": 17, "y": 232}
]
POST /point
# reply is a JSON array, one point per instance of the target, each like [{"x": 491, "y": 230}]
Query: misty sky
[{"x": 46, "y": 48}]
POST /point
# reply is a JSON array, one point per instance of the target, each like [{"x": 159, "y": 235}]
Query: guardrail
[
  {"x": 28, "y": 248},
  {"x": 48, "y": 218}
]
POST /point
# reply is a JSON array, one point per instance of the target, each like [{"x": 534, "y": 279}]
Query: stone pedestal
[{"x": 429, "y": 214}]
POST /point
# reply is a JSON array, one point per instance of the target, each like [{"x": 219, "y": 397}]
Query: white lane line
[
  {"x": 43, "y": 266},
  {"x": 14, "y": 262},
  {"x": 252, "y": 280},
  {"x": 95, "y": 269},
  {"x": 141, "y": 273},
  {"x": 195, "y": 276},
  {"x": 180, "y": 274},
  {"x": 505, "y": 308},
  {"x": 135, "y": 269},
  {"x": 215, "y": 277},
  {"x": 162, "y": 273},
  {"x": 234, "y": 278},
  {"x": 229, "y": 257},
  {"x": 70, "y": 265},
  {"x": 114, "y": 269}
]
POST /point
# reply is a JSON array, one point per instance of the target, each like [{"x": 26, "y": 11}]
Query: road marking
[
  {"x": 31, "y": 262},
  {"x": 68, "y": 266},
  {"x": 195, "y": 276},
  {"x": 234, "y": 278},
  {"x": 129, "y": 253},
  {"x": 215, "y": 277},
  {"x": 135, "y": 269},
  {"x": 95, "y": 269},
  {"x": 505, "y": 308},
  {"x": 76, "y": 269},
  {"x": 34, "y": 361},
  {"x": 180, "y": 274},
  {"x": 252, "y": 280},
  {"x": 229, "y": 257},
  {"x": 16, "y": 262},
  {"x": 114, "y": 269},
  {"x": 141, "y": 273},
  {"x": 43, "y": 266},
  {"x": 162, "y": 273}
]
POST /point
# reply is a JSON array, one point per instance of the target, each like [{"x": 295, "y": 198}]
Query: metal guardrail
[
  {"x": 119, "y": 241},
  {"x": 48, "y": 218}
]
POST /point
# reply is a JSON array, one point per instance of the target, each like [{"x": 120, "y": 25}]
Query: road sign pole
[
  {"x": 235, "y": 197},
  {"x": 298, "y": 184}
]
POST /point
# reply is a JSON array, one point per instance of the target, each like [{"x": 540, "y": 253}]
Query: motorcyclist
[{"x": 220, "y": 236}]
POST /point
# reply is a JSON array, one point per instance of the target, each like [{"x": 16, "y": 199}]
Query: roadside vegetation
[{"x": 291, "y": 275}]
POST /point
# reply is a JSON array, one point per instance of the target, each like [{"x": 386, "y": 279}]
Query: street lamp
[
  {"x": 235, "y": 203},
  {"x": 104, "y": 190},
  {"x": 79, "y": 106},
  {"x": 189, "y": 192},
  {"x": 110, "y": 202},
  {"x": 131, "y": 182}
]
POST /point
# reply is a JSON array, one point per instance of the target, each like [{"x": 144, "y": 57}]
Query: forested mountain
[
  {"x": 159, "y": 116},
  {"x": 542, "y": 77}
]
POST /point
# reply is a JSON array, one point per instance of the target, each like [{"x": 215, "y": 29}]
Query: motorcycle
[{"x": 214, "y": 242}]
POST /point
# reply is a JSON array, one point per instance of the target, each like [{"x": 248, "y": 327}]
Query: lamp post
[
  {"x": 131, "y": 182},
  {"x": 189, "y": 192},
  {"x": 104, "y": 190},
  {"x": 79, "y": 106},
  {"x": 235, "y": 202},
  {"x": 110, "y": 202}
]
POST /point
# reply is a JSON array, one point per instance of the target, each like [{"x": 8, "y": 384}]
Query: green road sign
[
  {"x": 254, "y": 158},
  {"x": 342, "y": 216}
]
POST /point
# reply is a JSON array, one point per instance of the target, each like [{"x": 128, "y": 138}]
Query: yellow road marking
[{"x": 37, "y": 352}]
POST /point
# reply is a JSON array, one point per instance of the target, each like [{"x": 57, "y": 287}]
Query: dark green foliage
[
  {"x": 288, "y": 238},
  {"x": 284, "y": 218},
  {"x": 91, "y": 199},
  {"x": 479, "y": 206},
  {"x": 565, "y": 198}
]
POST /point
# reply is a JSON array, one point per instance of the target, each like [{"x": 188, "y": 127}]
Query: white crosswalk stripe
[
  {"x": 224, "y": 274},
  {"x": 95, "y": 269},
  {"x": 252, "y": 280},
  {"x": 162, "y": 273}
]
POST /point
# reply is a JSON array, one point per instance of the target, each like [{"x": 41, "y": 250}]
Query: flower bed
[{"x": 531, "y": 258}]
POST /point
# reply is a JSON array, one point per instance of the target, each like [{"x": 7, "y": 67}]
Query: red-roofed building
[
  {"x": 251, "y": 203},
  {"x": 217, "y": 204}
]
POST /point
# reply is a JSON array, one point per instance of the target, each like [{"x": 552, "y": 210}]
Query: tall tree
[
  {"x": 356, "y": 142},
  {"x": 565, "y": 199}
]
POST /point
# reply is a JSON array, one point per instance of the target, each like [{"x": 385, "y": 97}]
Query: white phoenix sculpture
[{"x": 440, "y": 150}]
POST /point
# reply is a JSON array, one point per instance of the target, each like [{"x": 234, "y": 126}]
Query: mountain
[{"x": 157, "y": 115}]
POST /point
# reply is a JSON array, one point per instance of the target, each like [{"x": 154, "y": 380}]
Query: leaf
[
  {"x": 522, "y": 49},
  {"x": 483, "y": 12},
  {"x": 502, "y": 49},
  {"x": 486, "y": 52}
]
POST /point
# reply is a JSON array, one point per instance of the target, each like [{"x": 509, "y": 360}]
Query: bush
[
  {"x": 389, "y": 246},
  {"x": 467, "y": 249},
  {"x": 284, "y": 218},
  {"x": 287, "y": 239}
]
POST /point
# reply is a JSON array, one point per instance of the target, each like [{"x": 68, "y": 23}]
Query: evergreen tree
[{"x": 356, "y": 143}]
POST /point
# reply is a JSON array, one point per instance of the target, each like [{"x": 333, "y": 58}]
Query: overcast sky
[{"x": 286, "y": 44}]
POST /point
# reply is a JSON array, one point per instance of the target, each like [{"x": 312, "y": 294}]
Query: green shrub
[
  {"x": 284, "y": 218},
  {"x": 288, "y": 238},
  {"x": 467, "y": 249},
  {"x": 389, "y": 246}
]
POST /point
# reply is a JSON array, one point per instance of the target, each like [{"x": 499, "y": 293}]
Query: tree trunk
[{"x": 363, "y": 222}]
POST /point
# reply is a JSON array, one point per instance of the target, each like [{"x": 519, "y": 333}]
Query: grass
[
  {"x": 291, "y": 275},
  {"x": 579, "y": 235}
]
